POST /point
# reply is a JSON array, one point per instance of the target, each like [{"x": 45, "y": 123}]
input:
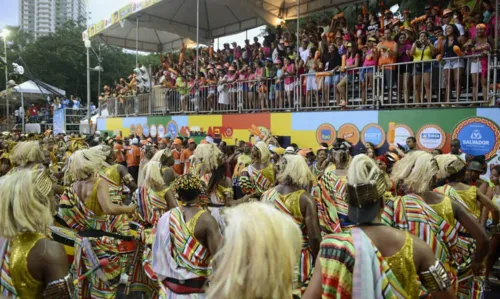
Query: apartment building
[{"x": 42, "y": 17}]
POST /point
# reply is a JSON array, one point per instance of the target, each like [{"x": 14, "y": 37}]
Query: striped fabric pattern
[
  {"x": 337, "y": 259},
  {"x": 151, "y": 205},
  {"x": 329, "y": 195},
  {"x": 291, "y": 205},
  {"x": 7, "y": 288},
  {"x": 412, "y": 214},
  {"x": 77, "y": 216},
  {"x": 253, "y": 181}
]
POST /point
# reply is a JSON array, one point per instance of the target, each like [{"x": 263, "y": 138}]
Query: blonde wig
[
  {"x": 161, "y": 155},
  {"x": 416, "y": 172},
  {"x": 102, "y": 149},
  {"x": 449, "y": 164},
  {"x": 294, "y": 167},
  {"x": 152, "y": 174},
  {"x": 362, "y": 170},
  {"x": 27, "y": 203},
  {"x": 206, "y": 157},
  {"x": 265, "y": 154},
  {"x": 249, "y": 265},
  {"x": 83, "y": 163},
  {"x": 27, "y": 152}
]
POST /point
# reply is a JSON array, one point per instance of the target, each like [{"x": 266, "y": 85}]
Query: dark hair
[
  {"x": 457, "y": 177},
  {"x": 439, "y": 151},
  {"x": 342, "y": 156},
  {"x": 189, "y": 194},
  {"x": 456, "y": 33},
  {"x": 497, "y": 168},
  {"x": 218, "y": 174},
  {"x": 324, "y": 144},
  {"x": 412, "y": 138},
  {"x": 294, "y": 145}
]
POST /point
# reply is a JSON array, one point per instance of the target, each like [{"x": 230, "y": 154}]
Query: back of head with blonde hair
[
  {"x": 362, "y": 170},
  {"x": 294, "y": 167},
  {"x": 208, "y": 155},
  {"x": 416, "y": 171},
  {"x": 152, "y": 174},
  {"x": 27, "y": 203},
  {"x": 265, "y": 154},
  {"x": 161, "y": 155},
  {"x": 260, "y": 252},
  {"x": 84, "y": 163},
  {"x": 27, "y": 152},
  {"x": 102, "y": 149}
]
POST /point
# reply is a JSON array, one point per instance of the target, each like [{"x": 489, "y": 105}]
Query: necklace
[{"x": 372, "y": 224}]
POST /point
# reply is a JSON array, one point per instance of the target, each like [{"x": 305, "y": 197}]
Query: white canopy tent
[
  {"x": 162, "y": 25},
  {"x": 31, "y": 92}
]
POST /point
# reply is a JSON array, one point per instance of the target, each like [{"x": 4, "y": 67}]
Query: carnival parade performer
[
  {"x": 373, "y": 260},
  {"x": 27, "y": 155},
  {"x": 290, "y": 198},
  {"x": 255, "y": 230},
  {"x": 32, "y": 265},
  {"x": 186, "y": 240},
  {"x": 85, "y": 207},
  {"x": 259, "y": 176}
]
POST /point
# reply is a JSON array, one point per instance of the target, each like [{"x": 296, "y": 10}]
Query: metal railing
[{"x": 447, "y": 82}]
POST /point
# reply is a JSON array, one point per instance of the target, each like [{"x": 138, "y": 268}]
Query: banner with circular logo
[
  {"x": 172, "y": 128},
  {"x": 401, "y": 133},
  {"x": 161, "y": 131},
  {"x": 146, "y": 130},
  {"x": 431, "y": 137},
  {"x": 326, "y": 133},
  {"x": 478, "y": 136},
  {"x": 153, "y": 131},
  {"x": 349, "y": 132},
  {"x": 374, "y": 134}
]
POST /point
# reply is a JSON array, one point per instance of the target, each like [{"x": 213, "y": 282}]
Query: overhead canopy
[
  {"x": 32, "y": 93},
  {"x": 32, "y": 88},
  {"x": 164, "y": 24}
]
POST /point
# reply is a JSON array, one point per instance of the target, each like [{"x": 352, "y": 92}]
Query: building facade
[{"x": 42, "y": 17}]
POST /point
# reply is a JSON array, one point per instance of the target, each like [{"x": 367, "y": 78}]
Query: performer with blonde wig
[
  {"x": 166, "y": 159},
  {"x": 411, "y": 213},
  {"x": 187, "y": 238},
  {"x": 291, "y": 198},
  {"x": 32, "y": 265},
  {"x": 27, "y": 155},
  {"x": 260, "y": 176},
  {"x": 373, "y": 260},
  {"x": 85, "y": 207},
  {"x": 253, "y": 234}
]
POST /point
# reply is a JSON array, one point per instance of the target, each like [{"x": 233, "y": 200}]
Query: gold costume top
[
  {"x": 445, "y": 210},
  {"x": 20, "y": 247},
  {"x": 403, "y": 267},
  {"x": 292, "y": 202},
  {"x": 469, "y": 196},
  {"x": 92, "y": 203},
  {"x": 191, "y": 223},
  {"x": 112, "y": 174}
]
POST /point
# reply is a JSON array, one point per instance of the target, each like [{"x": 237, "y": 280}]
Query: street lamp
[
  {"x": 88, "y": 44},
  {"x": 5, "y": 33}
]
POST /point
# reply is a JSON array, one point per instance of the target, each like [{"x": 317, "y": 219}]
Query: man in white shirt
[{"x": 304, "y": 50}]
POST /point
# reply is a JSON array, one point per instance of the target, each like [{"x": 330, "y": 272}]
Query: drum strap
[
  {"x": 189, "y": 286},
  {"x": 93, "y": 233}
]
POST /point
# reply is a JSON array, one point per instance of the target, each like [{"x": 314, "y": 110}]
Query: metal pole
[
  {"x": 136, "y": 40},
  {"x": 197, "y": 35},
  {"x": 88, "y": 88},
  {"x": 6, "y": 78},
  {"x": 99, "y": 80},
  {"x": 298, "y": 28},
  {"x": 495, "y": 58},
  {"x": 22, "y": 105}
]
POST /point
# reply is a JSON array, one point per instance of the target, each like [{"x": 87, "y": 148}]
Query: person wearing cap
[
  {"x": 259, "y": 176},
  {"x": 475, "y": 169},
  {"x": 479, "y": 67},
  {"x": 187, "y": 153},
  {"x": 453, "y": 169},
  {"x": 176, "y": 153},
  {"x": 370, "y": 57},
  {"x": 230, "y": 79},
  {"x": 387, "y": 18},
  {"x": 187, "y": 239},
  {"x": 291, "y": 198},
  {"x": 330, "y": 193},
  {"x": 352, "y": 60},
  {"x": 132, "y": 156},
  {"x": 372, "y": 252}
]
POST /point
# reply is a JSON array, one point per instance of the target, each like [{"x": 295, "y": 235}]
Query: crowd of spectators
[{"x": 267, "y": 74}]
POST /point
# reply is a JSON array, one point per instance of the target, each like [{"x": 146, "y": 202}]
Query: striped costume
[
  {"x": 290, "y": 204},
  {"x": 151, "y": 205},
  {"x": 412, "y": 214},
  {"x": 98, "y": 238},
  {"x": 180, "y": 261},
  {"x": 254, "y": 181},
  {"x": 329, "y": 195},
  {"x": 352, "y": 267}
]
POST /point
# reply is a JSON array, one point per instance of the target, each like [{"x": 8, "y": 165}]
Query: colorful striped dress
[
  {"x": 86, "y": 216},
  {"x": 255, "y": 181},
  {"x": 151, "y": 205},
  {"x": 290, "y": 204},
  {"x": 412, "y": 214},
  {"x": 352, "y": 267},
  {"x": 329, "y": 195},
  {"x": 178, "y": 255}
]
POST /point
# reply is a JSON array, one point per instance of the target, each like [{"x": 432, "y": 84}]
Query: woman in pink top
[
  {"x": 260, "y": 75},
  {"x": 351, "y": 61},
  {"x": 230, "y": 78},
  {"x": 289, "y": 73},
  {"x": 252, "y": 88},
  {"x": 370, "y": 55},
  {"x": 479, "y": 65}
]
